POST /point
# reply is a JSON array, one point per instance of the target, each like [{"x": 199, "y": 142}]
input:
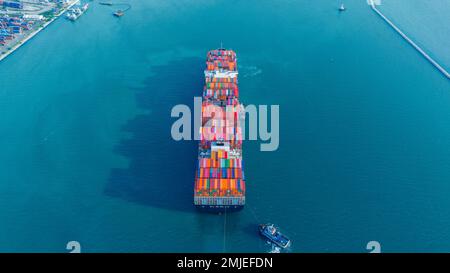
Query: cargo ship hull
[
  {"x": 220, "y": 180},
  {"x": 219, "y": 204}
]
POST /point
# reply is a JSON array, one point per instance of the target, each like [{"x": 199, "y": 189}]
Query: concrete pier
[
  {"x": 411, "y": 42},
  {"x": 35, "y": 32}
]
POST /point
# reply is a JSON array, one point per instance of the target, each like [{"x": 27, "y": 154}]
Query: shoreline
[{"x": 34, "y": 33}]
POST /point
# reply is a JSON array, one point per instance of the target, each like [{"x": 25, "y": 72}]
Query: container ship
[{"x": 220, "y": 180}]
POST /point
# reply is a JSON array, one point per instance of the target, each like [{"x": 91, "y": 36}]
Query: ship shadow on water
[
  {"x": 252, "y": 230},
  {"x": 160, "y": 171}
]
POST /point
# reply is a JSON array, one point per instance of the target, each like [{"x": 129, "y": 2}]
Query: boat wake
[
  {"x": 272, "y": 248},
  {"x": 249, "y": 71}
]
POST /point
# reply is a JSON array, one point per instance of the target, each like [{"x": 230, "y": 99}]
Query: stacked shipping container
[
  {"x": 220, "y": 180},
  {"x": 12, "y": 4},
  {"x": 10, "y": 26}
]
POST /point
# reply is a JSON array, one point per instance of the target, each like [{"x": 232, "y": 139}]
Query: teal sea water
[{"x": 364, "y": 152}]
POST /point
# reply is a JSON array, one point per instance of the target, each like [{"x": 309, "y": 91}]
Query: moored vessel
[{"x": 74, "y": 13}]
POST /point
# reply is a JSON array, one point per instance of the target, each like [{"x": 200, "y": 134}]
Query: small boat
[
  {"x": 118, "y": 13},
  {"x": 270, "y": 232},
  {"x": 342, "y": 7},
  {"x": 106, "y": 3}
]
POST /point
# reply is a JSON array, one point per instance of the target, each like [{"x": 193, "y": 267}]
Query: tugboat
[
  {"x": 342, "y": 7},
  {"x": 270, "y": 232}
]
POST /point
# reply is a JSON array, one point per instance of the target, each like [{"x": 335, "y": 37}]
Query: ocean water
[{"x": 364, "y": 128}]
